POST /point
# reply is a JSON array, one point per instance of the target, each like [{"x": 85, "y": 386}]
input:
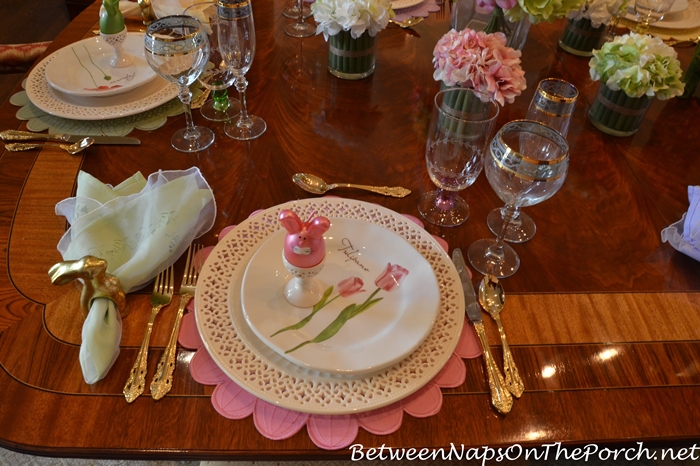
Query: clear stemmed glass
[
  {"x": 527, "y": 164},
  {"x": 460, "y": 129},
  {"x": 553, "y": 104},
  {"x": 650, "y": 11},
  {"x": 177, "y": 49},
  {"x": 237, "y": 46},
  {"x": 292, "y": 10},
  {"x": 216, "y": 76},
  {"x": 300, "y": 28}
]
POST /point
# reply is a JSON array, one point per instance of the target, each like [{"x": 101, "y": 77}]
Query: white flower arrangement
[
  {"x": 356, "y": 16},
  {"x": 599, "y": 11},
  {"x": 639, "y": 65}
]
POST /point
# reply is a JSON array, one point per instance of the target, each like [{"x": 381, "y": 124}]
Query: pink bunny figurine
[{"x": 304, "y": 246}]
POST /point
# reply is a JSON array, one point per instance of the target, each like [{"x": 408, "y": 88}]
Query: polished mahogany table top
[{"x": 603, "y": 319}]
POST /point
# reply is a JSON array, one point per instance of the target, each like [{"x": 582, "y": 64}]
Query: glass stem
[
  {"x": 446, "y": 199},
  {"x": 301, "y": 11},
  {"x": 243, "y": 119},
  {"x": 220, "y": 98},
  {"x": 186, "y": 97},
  {"x": 495, "y": 253},
  {"x": 515, "y": 222}
]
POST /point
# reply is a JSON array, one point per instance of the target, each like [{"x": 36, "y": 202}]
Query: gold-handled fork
[
  {"x": 163, "y": 380},
  {"x": 161, "y": 296}
]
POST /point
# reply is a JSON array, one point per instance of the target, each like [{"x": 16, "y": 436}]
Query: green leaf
[
  {"x": 331, "y": 330},
  {"x": 317, "y": 307}
]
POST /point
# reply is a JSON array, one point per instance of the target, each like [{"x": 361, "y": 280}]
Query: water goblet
[
  {"x": 216, "y": 76},
  {"x": 650, "y": 11},
  {"x": 300, "y": 28},
  {"x": 553, "y": 104},
  {"x": 177, "y": 49},
  {"x": 237, "y": 46},
  {"x": 460, "y": 129},
  {"x": 292, "y": 11},
  {"x": 522, "y": 175}
]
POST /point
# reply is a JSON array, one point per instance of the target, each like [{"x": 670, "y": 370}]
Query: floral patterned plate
[
  {"x": 364, "y": 264},
  {"x": 82, "y": 69}
]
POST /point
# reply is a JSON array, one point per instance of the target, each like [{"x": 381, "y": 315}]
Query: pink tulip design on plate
[{"x": 390, "y": 278}]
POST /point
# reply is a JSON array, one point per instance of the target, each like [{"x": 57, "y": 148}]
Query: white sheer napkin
[
  {"x": 139, "y": 227},
  {"x": 684, "y": 235}
]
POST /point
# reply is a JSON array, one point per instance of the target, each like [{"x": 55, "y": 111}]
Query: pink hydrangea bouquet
[{"x": 479, "y": 61}]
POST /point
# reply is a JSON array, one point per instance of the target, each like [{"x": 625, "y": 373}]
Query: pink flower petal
[
  {"x": 382, "y": 421},
  {"x": 204, "y": 370},
  {"x": 468, "y": 346},
  {"x": 189, "y": 336},
  {"x": 424, "y": 403},
  {"x": 452, "y": 375},
  {"x": 232, "y": 402},
  {"x": 332, "y": 432},
  {"x": 277, "y": 423}
]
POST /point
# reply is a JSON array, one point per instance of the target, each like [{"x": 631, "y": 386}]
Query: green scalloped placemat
[{"x": 38, "y": 120}]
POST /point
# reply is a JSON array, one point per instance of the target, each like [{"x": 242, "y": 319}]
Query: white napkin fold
[
  {"x": 684, "y": 235},
  {"x": 139, "y": 227}
]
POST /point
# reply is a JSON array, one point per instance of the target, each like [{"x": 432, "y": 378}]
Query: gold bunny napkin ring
[{"x": 97, "y": 282}]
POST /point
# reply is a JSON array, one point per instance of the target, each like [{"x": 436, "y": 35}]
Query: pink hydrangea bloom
[
  {"x": 488, "y": 5},
  {"x": 480, "y": 61}
]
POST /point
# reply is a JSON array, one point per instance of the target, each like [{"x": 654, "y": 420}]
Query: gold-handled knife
[
  {"x": 501, "y": 399},
  {"x": 14, "y": 135}
]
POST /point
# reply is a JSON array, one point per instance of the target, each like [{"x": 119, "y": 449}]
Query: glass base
[
  {"x": 241, "y": 132},
  {"x": 441, "y": 210},
  {"x": 293, "y": 12},
  {"x": 210, "y": 113},
  {"x": 300, "y": 30},
  {"x": 184, "y": 144},
  {"x": 518, "y": 231},
  {"x": 485, "y": 261}
]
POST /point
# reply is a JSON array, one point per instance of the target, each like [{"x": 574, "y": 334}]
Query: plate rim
[
  {"x": 408, "y": 4},
  {"x": 451, "y": 319}
]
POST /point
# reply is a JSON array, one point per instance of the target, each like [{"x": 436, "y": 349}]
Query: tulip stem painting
[{"x": 389, "y": 279}]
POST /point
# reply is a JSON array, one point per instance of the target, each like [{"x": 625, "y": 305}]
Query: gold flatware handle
[
  {"x": 14, "y": 135},
  {"x": 163, "y": 380},
  {"x": 396, "y": 191},
  {"x": 136, "y": 383},
  {"x": 513, "y": 382},
  {"x": 501, "y": 398},
  {"x": 21, "y": 146}
]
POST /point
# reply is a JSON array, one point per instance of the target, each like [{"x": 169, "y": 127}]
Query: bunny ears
[{"x": 315, "y": 227}]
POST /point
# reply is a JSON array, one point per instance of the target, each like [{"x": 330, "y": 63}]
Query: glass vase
[
  {"x": 351, "y": 58},
  {"x": 616, "y": 113},
  {"x": 467, "y": 14},
  {"x": 580, "y": 37}
]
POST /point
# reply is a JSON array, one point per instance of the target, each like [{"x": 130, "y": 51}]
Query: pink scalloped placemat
[{"x": 329, "y": 432}]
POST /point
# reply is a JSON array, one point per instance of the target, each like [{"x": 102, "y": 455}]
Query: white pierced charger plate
[
  {"x": 57, "y": 103},
  {"x": 258, "y": 369},
  {"x": 377, "y": 338},
  {"x": 399, "y": 4},
  {"x": 82, "y": 69}
]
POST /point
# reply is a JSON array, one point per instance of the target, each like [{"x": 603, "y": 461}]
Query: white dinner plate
[
  {"x": 688, "y": 18},
  {"x": 399, "y": 4},
  {"x": 258, "y": 369},
  {"x": 82, "y": 69},
  {"x": 377, "y": 338},
  {"x": 57, "y": 103}
]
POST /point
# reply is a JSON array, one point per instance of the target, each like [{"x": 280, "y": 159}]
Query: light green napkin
[{"x": 139, "y": 227}]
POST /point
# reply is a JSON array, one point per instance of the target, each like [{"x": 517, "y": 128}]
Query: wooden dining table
[{"x": 603, "y": 318}]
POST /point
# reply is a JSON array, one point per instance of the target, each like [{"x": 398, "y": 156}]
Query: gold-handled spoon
[
  {"x": 407, "y": 23},
  {"x": 492, "y": 299},
  {"x": 72, "y": 149},
  {"x": 316, "y": 185}
]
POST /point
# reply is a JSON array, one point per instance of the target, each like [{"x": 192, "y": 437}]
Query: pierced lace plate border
[{"x": 260, "y": 371}]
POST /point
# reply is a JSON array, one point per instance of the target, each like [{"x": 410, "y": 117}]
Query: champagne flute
[
  {"x": 177, "y": 49},
  {"x": 650, "y": 11},
  {"x": 522, "y": 173},
  {"x": 237, "y": 45},
  {"x": 460, "y": 129},
  {"x": 216, "y": 76},
  {"x": 553, "y": 104},
  {"x": 300, "y": 28},
  {"x": 292, "y": 11}
]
